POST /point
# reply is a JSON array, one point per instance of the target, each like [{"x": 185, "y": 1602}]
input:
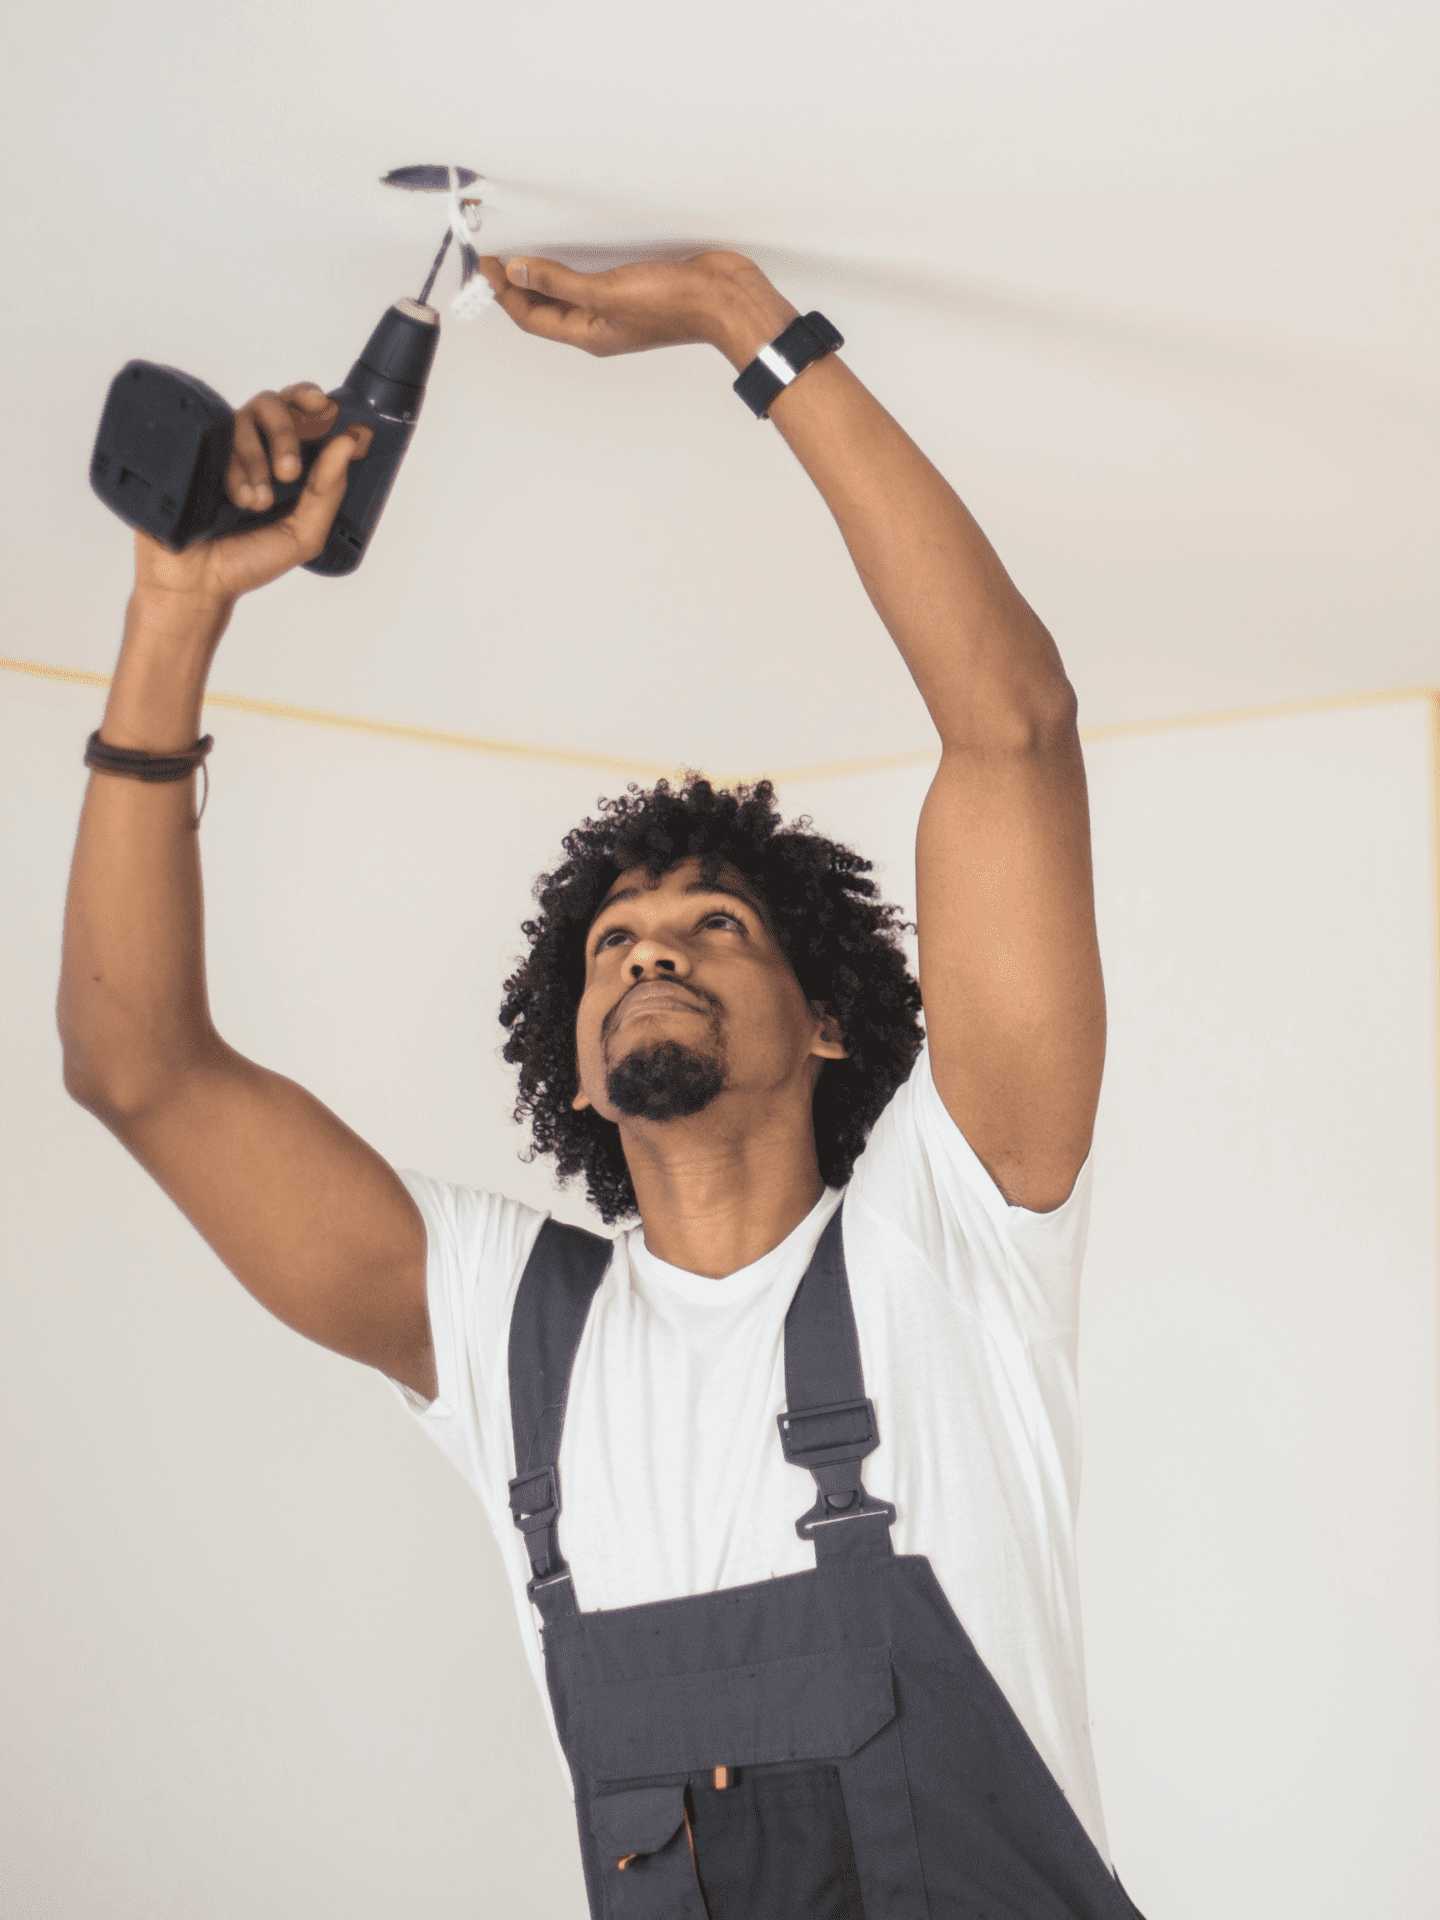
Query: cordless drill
[{"x": 165, "y": 438}]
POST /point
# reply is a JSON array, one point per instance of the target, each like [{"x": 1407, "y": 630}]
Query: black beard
[{"x": 664, "y": 1082}]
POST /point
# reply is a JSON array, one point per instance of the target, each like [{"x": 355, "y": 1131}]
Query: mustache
[{"x": 702, "y": 1002}]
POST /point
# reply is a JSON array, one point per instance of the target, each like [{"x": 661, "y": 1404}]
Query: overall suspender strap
[
  {"x": 829, "y": 1425},
  {"x": 560, "y": 1280}
]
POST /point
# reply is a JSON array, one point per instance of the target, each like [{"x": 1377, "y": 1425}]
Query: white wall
[
  {"x": 258, "y": 1653},
  {"x": 1258, "y": 1355}
]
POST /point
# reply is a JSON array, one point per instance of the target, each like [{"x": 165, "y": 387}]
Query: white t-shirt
[{"x": 671, "y": 1470}]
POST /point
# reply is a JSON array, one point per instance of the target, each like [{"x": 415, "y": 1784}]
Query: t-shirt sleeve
[
  {"x": 1003, "y": 1263},
  {"x": 476, "y": 1248}
]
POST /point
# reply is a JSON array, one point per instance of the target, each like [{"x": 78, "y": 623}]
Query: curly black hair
[{"x": 841, "y": 942}]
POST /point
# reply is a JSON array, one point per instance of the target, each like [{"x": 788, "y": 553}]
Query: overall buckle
[
  {"x": 826, "y": 1436},
  {"x": 542, "y": 1580},
  {"x": 830, "y": 1442},
  {"x": 535, "y": 1500},
  {"x": 857, "y": 1504},
  {"x": 535, "y": 1507}
]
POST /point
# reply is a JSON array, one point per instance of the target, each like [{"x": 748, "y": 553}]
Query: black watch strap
[{"x": 775, "y": 366}]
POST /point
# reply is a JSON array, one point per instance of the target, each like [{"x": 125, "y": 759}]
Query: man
[{"x": 876, "y": 1707}]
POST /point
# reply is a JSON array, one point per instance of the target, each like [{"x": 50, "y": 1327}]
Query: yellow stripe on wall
[
  {"x": 824, "y": 770},
  {"x": 391, "y": 729}
]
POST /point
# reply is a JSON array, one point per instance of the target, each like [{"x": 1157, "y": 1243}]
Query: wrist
[
  {"x": 158, "y": 688},
  {"x": 186, "y": 621},
  {"x": 750, "y": 319}
]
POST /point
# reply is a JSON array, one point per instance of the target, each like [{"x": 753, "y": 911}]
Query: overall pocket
[
  {"x": 773, "y": 1843},
  {"x": 647, "y": 1866}
]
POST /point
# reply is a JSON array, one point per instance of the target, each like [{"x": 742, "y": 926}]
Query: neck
[{"x": 715, "y": 1197}]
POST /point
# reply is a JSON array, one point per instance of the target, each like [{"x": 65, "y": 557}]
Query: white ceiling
[{"x": 1157, "y": 290}]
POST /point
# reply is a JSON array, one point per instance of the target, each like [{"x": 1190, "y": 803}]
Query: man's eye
[{"x": 606, "y": 938}]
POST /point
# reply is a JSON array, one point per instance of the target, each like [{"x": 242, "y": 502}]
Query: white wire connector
[
  {"x": 472, "y": 300},
  {"x": 476, "y": 293}
]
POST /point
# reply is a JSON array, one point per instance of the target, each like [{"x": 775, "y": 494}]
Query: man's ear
[
  {"x": 831, "y": 1044},
  {"x": 582, "y": 1099}
]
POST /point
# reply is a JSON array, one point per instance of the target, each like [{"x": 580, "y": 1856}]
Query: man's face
[{"x": 689, "y": 997}]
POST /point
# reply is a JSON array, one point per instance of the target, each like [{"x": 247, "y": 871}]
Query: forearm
[
  {"x": 983, "y": 662},
  {"x": 132, "y": 1009}
]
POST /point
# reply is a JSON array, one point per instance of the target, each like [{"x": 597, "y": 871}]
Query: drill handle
[{"x": 232, "y": 519}]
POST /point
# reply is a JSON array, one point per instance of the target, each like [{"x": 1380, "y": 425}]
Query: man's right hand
[{"x": 214, "y": 573}]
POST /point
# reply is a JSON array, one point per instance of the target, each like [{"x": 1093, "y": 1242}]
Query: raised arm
[
  {"x": 1009, "y": 958},
  {"x": 303, "y": 1212},
  {"x": 1009, "y": 955}
]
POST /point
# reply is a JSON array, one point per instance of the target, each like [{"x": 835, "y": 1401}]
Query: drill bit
[{"x": 444, "y": 249}]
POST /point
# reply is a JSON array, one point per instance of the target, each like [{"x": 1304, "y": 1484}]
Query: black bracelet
[
  {"x": 137, "y": 765},
  {"x": 774, "y": 367}
]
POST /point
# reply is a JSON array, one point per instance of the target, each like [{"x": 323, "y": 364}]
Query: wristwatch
[{"x": 775, "y": 366}]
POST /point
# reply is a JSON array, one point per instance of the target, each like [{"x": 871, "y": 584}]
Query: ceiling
[{"x": 1156, "y": 288}]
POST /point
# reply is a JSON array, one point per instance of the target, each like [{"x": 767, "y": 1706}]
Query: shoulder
[
  {"x": 915, "y": 1148},
  {"x": 471, "y": 1232},
  {"x": 477, "y": 1247},
  {"x": 919, "y": 1176}
]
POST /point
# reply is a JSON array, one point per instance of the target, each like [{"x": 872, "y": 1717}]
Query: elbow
[
  {"x": 1054, "y": 717},
  {"x": 1057, "y": 704},
  {"x": 117, "y": 1069},
  {"x": 1063, "y": 721},
  {"x": 1026, "y": 721},
  {"x": 117, "y": 1091},
  {"x": 79, "y": 1068},
  {"x": 86, "y": 1085},
  {"x": 82, "y": 1067}
]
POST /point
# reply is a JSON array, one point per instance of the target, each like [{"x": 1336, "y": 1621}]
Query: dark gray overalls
[{"x": 823, "y": 1744}]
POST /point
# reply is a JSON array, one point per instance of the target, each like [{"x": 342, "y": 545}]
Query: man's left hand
[{"x": 718, "y": 298}]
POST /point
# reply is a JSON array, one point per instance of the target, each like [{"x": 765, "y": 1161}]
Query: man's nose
[{"x": 641, "y": 960}]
